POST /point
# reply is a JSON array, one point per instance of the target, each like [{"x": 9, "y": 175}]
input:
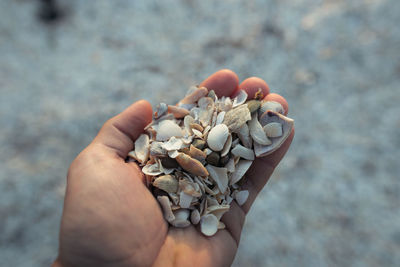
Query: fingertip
[
  {"x": 145, "y": 109},
  {"x": 252, "y": 85},
  {"x": 280, "y": 99},
  {"x": 224, "y": 82}
]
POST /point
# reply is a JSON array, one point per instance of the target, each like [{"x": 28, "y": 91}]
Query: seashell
[
  {"x": 167, "y": 129},
  {"x": 220, "y": 117},
  {"x": 187, "y": 140},
  {"x": 132, "y": 154},
  {"x": 208, "y": 151},
  {"x": 224, "y": 160},
  {"x": 217, "y": 137},
  {"x": 152, "y": 169},
  {"x": 197, "y": 133},
  {"x": 220, "y": 177},
  {"x": 195, "y": 113},
  {"x": 173, "y": 144},
  {"x": 203, "y": 206},
  {"x": 214, "y": 119},
  {"x": 230, "y": 166},
  {"x": 198, "y": 143},
  {"x": 228, "y": 200},
  {"x": 221, "y": 226},
  {"x": 206, "y": 132},
  {"x": 194, "y": 96},
  {"x": 241, "y": 197},
  {"x": 225, "y": 104},
  {"x": 162, "y": 169},
  {"x": 196, "y": 126},
  {"x": 213, "y": 158},
  {"x": 195, "y": 217},
  {"x": 178, "y": 112},
  {"x": 142, "y": 148},
  {"x": 243, "y": 152},
  {"x": 257, "y": 132},
  {"x": 217, "y": 210},
  {"x": 236, "y": 118},
  {"x": 253, "y": 105},
  {"x": 244, "y": 136},
  {"x": 185, "y": 200},
  {"x": 191, "y": 165},
  {"x": 272, "y": 106},
  {"x": 240, "y": 169},
  {"x": 173, "y": 154},
  {"x": 197, "y": 153},
  {"x": 273, "y": 129},
  {"x": 167, "y": 183},
  {"x": 161, "y": 110},
  {"x": 157, "y": 150},
  {"x": 212, "y": 95},
  {"x": 189, "y": 188},
  {"x": 174, "y": 197},
  {"x": 240, "y": 98},
  {"x": 227, "y": 146},
  {"x": 206, "y": 103},
  {"x": 287, "y": 126},
  {"x": 181, "y": 218},
  {"x": 166, "y": 208},
  {"x": 170, "y": 163},
  {"x": 187, "y": 121},
  {"x": 209, "y": 224}
]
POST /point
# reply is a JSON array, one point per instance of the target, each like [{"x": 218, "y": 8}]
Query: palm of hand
[{"x": 111, "y": 219}]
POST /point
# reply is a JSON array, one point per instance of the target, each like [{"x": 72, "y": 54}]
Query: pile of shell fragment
[{"x": 195, "y": 154}]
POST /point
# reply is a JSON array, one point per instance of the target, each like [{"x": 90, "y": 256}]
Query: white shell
[
  {"x": 241, "y": 169},
  {"x": 197, "y": 133},
  {"x": 220, "y": 117},
  {"x": 273, "y": 129},
  {"x": 187, "y": 121},
  {"x": 218, "y": 210},
  {"x": 217, "y": 137},
  {"x": 152, "y": 169},
  {"x": 257, "y": 132},
  {"x": 173, "y": 144},
  {"x": 166, "y": 207},
  {"x": 173, "y": 154},
  {"x": 167, "y": 129},
  {"x": 209, "y": 224},
  {"x": 161, "y": 110},
  {"x": 227, "y": 146},
  {"x": 244, "y": 136},
  {"x": 272, "y": 106},
  {"x": 219, "y": 175},
  {"x": 195, "y": 217},
  {"x": 185, "y": 200},
  {"x": 241, "y": 197},
  {"x": 243, "y": 152},
  {"x": 142, "y": 148},
  {"x": 240, "y": 98},
  {"x": 230, "y": 166}
]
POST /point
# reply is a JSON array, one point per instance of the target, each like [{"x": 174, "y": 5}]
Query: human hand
[{"x": 110, "y": 217}]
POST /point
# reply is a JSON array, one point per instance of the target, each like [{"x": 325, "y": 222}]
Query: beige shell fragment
[
  {"x": 209, "y": 224},
  {"x": 240, "y": 98},
  {"x": 197, "y": 154},
  {"x": 187, "y": 121},
  {"x": 181, "y": 218},
  {"x": 220, "y": 117},
  {"x": 227, "y": 146},
  {"x": 241, "y": 168},
  {"x": 173, "y": 154},
  {"x": 178, "y": 112},
  {"x": 157, "y": 150},
  {"x": 142, "y": 148},
  {"x": 287, "y": 126},
  {"x": 273, "y": 129},
  {"x": 221, "y": 226},
  {"x": 218, "y": 210},
  {"x": 168, "y": 183},
  {"x": 257, "y": 132},
  {"x": 237, "y": 117},
  {"x": 217, "y": 137},
  {"x": 194, "y": 96},
  {"x": 243, "y": 152},
  {"x": 189, "y": 188},
  {"x": 167, "y": 129},
  {"x": 195, "y": 217},
  {"x": 241, "y": 197},
  {"x": 166, "y": 208},
  {"x": 220, "y": 176},
  {"x": 244, "y": 136},
  {"x": 173, "y": 144},
  {"x": 152, "y": 169},
  {"x": 191, "y": 165}
]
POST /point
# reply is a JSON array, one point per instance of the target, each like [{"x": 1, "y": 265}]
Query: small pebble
[
  {"x": 253, "y": 105},
  {"x": 224, "y": 160},
  {"x": 213, "y": 158},
  {"x": 169, "y": 163}
]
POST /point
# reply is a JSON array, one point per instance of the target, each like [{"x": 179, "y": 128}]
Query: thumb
[{"x": 120, "y": 132}]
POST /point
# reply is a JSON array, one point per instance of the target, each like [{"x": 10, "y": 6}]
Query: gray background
[{"x": 333, "y": 201}]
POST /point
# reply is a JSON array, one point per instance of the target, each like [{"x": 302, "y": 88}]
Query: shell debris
[{"x": 195, "y": 155}]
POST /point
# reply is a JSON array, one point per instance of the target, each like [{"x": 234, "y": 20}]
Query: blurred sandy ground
[{"x": 334, "y": 200}]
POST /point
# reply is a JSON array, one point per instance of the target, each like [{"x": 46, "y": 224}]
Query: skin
[{"x": 111, "y": 219}]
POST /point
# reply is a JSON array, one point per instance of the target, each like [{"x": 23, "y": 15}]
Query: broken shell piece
[
  {"x": 287, "y": 126},
  {"x": 173, "y": 144},
  {"x": 191, "y": 165},
  {"x": 209, "y": 224},
  {"x": 241, "y": 168},
  {"x": 198, "y": 143},
  {"x": 217, "y": 137},
  {"x": 218, "y": 210},
  {"x": 168, "y": 183},
  {"x": 197, "y": 133},
  {"x": 227, "y": 146},
  {"x": 167, "y": 129},
  {"x": 257, "y": 132},
  {"x": 178, "y": 112},
  {"x": 196, "y": 126},
  {"x": 220, "y": 117},
  {"x": 212, "y": 95},
  {"x": 272, "y": 106},
  {"x": 244, "y": 136},
  {"x": 221, "y": 226},
  {"x": 142, "y": 148},
  {"x": 166, "y": 207},
  {"x": 243, "y": 152},
  {"x": 197, "y": 154},
  {"x": 237, "y": 117},
  {"x": 157, "y": 150},
  {"x": 220, "y": 176},
  {"x": 239, "y": 99},
  {"x": 194, "y": 96},
  {"x": 181, "y": 218},
  {"x": 241, "y": 197},
  {"x": 152, "y": 169},
  {"x": 187, "y": 121},
  {"x": 253, "y": 105},
  {"x": 161, "y": 110},
  {"x": 230, "y": 166},
  {"x": 195, "y": 217},
  {"x": 189, "y": 188},
  {"x": 173, "y": 154},
  {"x": 273, "y": 129},
  {"x": 185, "y": 200}
]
